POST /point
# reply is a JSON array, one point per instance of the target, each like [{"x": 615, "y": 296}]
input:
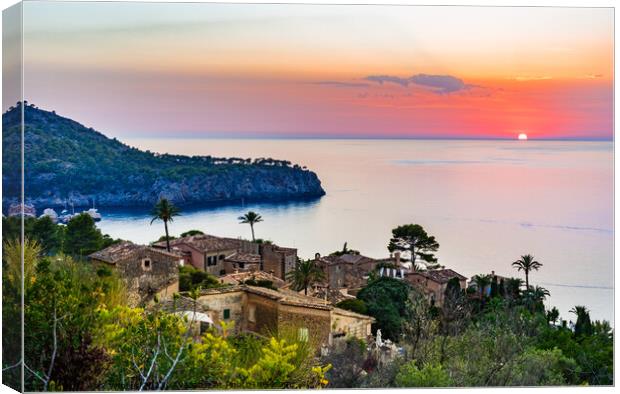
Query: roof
[
  {"x": 355, "y": 259},
  {"x": 333, "y": 295},
  {"x": 439, "y": 276},
  {"x": 204, "y": 242},
  {"x": 282, "y": 296},
  {"x": 247, "y": 258},
  {"x": 124, "y": 250},
  {"x": 289, "y": 297},
  {"x": 284, "y": 249},
  {"x": 240, "y": 277}
]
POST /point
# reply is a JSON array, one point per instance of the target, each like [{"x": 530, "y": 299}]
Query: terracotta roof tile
[
  {"x": 205, "y": 242},
  {"x": 354, "y": 259},
  {"x": 247, "y": 258},
  {"x": 240, "y": 277},
  {"x": 440, "y": 275},
  {"x": 123, "y": 250}
]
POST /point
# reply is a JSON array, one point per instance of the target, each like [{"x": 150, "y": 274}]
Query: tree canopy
[{"x": 413, "y": 239}]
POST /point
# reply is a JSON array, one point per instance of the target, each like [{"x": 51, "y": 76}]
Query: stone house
[
  {"x": 207, "y": 252},
  {"x": 433, "y": 283},
  {"x": 266, "y": 312},
  {"x": 346, "y": 271},
  {"x": 147, "y": 272},
  {"x": 221, "y": 256},
  {"x": 277, "y": 260}
]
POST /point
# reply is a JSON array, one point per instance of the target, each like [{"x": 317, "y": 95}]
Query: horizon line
[{"x": 437, "y": 138}]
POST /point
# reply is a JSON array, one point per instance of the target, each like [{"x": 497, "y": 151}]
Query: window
[
  {"x": 146, "y": 264},
  {"x": 226, "y": 314},
  {"x": 222, "y": 257},
  {"x": 252, "y": 313},
  {"x": 204, "y": 326},
  {"x": 303, "y": 334},
  {"x": 241, "y": 265}
]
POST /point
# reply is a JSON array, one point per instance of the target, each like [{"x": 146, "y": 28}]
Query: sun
[{"x": 522, "y": 137}]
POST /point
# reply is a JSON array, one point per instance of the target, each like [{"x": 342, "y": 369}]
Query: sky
[{"x": 302, "y": 71}]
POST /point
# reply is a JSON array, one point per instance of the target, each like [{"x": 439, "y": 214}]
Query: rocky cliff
[{"x": 66, "y": 162}]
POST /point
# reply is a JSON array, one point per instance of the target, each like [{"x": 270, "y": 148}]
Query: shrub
[
  {"x": 431, "y": 375},
  {"x": 353, "y": 305},
  {"x": 190, "y": 278}
]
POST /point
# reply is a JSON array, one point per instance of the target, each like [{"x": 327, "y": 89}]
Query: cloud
[
  {"x": 342, "y": 84},
  {"x": 380, "y": 79},
  {"x": 441, "y": 84},
  {"x": 593, "y": 76}
]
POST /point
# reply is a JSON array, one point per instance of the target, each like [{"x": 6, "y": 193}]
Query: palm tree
[
  {"x": 553, "y": 315},
  {"x": 583, "y": 324},
  {"x": 513, "y": 286},
  {"x": 251, "y": 218},
  {"x": 165, "y": 211},
  {"x": 527, "y": 264},
  {"x": 535, "y": 297},
  {"x": 482, "y": 281},
  {"x": 540, "y": 293},
  {"x": 304, "y": 274}
]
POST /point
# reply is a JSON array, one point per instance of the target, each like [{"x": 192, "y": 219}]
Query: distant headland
[{"x": 68, "y": 163}]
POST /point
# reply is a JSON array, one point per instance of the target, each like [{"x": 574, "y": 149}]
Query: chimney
[{"x": 397, "y": 257}]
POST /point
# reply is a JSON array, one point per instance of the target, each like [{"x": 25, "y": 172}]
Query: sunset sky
[{"x": 224, "y": 70}]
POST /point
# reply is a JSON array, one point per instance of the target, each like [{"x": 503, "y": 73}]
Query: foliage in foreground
[
  {"x": 508, "y": 339},
  {"x": 81, "y": 336}
]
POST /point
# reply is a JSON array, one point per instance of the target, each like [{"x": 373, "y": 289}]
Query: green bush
[
  {"x": 431, "y": 375},
  {"x": 191, "y": 278},
  {"x": 353, "y": 305}
]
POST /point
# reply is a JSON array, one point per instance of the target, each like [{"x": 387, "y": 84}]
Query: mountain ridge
[{"x": 67, "y": 162}]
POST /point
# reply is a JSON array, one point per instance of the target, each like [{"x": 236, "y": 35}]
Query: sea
[{"x": 487, "y": 202}]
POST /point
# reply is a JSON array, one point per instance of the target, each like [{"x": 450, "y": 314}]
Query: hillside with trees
[{"x": 66, "y": 162}]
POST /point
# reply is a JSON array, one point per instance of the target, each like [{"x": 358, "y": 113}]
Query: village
[{"x": 257, "y": 291}]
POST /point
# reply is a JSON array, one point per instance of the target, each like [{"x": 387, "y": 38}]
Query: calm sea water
[{"x": 487, "y": 203}]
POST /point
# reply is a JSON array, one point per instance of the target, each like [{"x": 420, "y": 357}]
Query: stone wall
[
  {"x": 316, "y": 321},
  {"x": 218, "y": 301},
  {"x": 265, "y": 313},
  {"x": 349, "y": 324},
  {"x": 278, "y": 261},
  {"x": 218, "y": 256}
]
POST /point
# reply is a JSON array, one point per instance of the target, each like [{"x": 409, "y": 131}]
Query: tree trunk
[
  {"x": 252, "y": 227},
  {"x": 167, "y": 237},
  {"x": 527, "y": 281}
]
